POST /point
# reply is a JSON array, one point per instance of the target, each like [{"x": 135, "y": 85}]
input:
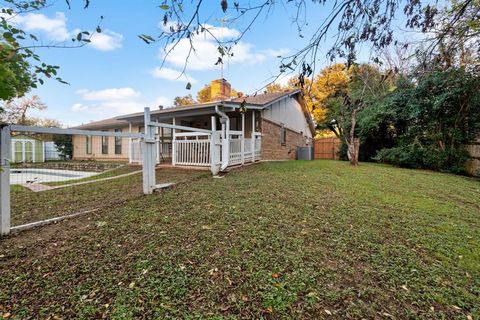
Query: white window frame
[{"x": 23, "y": 142}]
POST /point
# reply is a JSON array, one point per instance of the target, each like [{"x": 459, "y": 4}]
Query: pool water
[{"x": 23, "y": 175}]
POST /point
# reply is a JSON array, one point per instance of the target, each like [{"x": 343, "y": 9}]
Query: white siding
[{"x": 289, "y": 112}]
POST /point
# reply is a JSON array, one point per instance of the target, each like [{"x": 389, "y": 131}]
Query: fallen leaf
[
  {"x": 7, "y": 315},
  {"x": 404, "y": 287},
  {"x": 456, "y": 307},
  {"x": 327, "y": 312},
  {"x": 276, "y": 275},
  {"x": 131, "y": 285},
  {"x": 469, "y": 317}
]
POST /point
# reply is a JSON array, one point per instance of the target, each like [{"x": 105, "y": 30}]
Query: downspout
[{"x": 225, "y": 138}]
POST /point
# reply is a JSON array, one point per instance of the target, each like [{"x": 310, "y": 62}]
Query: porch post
[
  {"x": 130, "y": 151},
  {"x": 227, "y": 144},
  {"x": 214, "y": 155},
  {"x": 174, "y": 154},
  {"x": 243, "y": 139},
  {"x": 253, "y": 136},
  {"x": 5, "y": 149},
  {"x": 157, "y": 144}
]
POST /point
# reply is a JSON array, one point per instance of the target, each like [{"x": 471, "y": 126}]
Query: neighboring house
[
  {"x": 273, "y": 125},
  {"x": 27, "y": 149}
]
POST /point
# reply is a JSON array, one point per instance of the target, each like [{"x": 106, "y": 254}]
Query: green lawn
[
  {"x": 28, "y": 206},
  {"x": 293, "y": 240}
]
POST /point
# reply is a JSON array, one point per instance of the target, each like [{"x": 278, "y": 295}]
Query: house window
[
  {"x": 283, "y": 136},
  {"x": 104, "y": 145},
  {"x": 88, "y": 144},
  {"x": 118, "y": 143}
]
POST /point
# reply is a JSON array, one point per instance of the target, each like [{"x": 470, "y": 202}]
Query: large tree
[
  {"x": 15, "y": 76},
  {"x": 345, "y": 92},
  {"x": 21, "y": 67},
  {"x": 183, "y": 101},
  {"x": 431, "y": 119},
  {"x": 15, "y": 111}
]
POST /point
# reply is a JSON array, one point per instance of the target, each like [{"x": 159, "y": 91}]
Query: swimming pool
[{"x": 24, "y": 175}]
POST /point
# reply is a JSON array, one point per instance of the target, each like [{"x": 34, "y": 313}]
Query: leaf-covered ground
[
  {"x": 28, "y": 206},
  {"x": 292, "y": 240}
]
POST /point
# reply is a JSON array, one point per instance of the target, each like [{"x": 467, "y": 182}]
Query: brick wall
[{"x": 271, "y": 147}]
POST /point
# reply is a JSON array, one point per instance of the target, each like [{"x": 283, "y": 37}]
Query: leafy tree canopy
[{"x": 15, "y": 76}]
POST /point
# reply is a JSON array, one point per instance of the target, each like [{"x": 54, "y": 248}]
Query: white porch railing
[
  {"x": 235, "y": 152},
  {"x": 191, "y": 149}
]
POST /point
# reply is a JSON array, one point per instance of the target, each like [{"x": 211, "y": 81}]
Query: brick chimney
[{"x": 220, "y": 90}]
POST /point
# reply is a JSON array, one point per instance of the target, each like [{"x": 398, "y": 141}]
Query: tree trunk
[
  {"x": 353, "y": 144},
  {"x": 353, "y": 149}
]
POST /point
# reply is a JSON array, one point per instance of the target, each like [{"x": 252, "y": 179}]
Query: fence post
[
  {"x": 148, "y": 169},
  {"x": 5, "y": 149}
]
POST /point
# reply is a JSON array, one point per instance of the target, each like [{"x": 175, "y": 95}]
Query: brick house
[{"x": 266, "y": 126}]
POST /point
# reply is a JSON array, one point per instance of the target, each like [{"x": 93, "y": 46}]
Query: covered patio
[{"x": 183, "y": 136}]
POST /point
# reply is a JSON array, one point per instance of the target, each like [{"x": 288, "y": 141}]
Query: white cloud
[
  {"x": 108, "y": 94},
  {"x": 206, "y": 50},
  {"x": 78, "y": 107},
  {"x": 172, "y": 75},
  {"x": 55, "y": 29},
  {"x": 276, "y": 52},
  {"x": 115, "y": 108},
  {"x": 106, "y": 41},
  {"x": 112, "y": 102}
]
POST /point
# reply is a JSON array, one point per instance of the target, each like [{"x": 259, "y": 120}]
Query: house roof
[
  {"x": 103, "y": 124},
  {"x": 265, "y": 99},
  {"x": 259, "y": 101}
]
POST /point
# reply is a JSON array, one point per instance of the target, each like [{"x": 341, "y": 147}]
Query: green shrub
[{"x": 430, "y": 157}]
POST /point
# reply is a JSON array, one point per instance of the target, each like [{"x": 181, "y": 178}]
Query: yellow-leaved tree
[{"x": 316, "y": 92}]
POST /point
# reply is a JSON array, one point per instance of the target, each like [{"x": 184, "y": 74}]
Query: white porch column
[
  {"x": 253, "y": 136},
  {"x": 214, "y": 154},
  {"x": 174, "y": 153},
  {"x": 5, "y": 149},
  {"x": 130, "y": 149},
  {"x": 157, "y": 144},
  {"x": 226, "y": 160},
  {"x": 243, "y": 139}
]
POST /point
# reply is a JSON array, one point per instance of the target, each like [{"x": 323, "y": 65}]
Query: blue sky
[{"x": 119, "y": 73}]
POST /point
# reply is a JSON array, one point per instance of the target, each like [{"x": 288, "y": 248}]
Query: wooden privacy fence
[{"x": 327, "y": 148}]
